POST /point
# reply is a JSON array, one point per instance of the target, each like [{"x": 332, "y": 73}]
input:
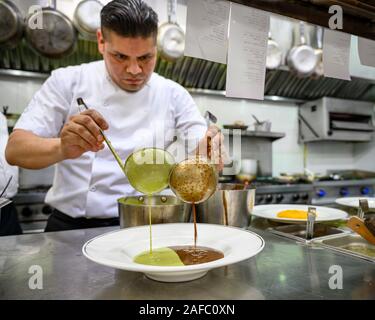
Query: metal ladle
[
  {"x": 148, "y": 169},
  {"x": 195, "y": 179}
]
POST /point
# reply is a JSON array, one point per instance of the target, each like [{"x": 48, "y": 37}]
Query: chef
[
  {"x": 135, "y": 106},
  {"x": 9, "y": 224}
]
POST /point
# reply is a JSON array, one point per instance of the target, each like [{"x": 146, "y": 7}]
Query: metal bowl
[
  {"x": 230, "y": 205},
  {"x": 134, "y": 211}
]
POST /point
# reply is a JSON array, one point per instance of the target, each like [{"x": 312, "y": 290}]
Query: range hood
[{"x": 200, "y": 75}]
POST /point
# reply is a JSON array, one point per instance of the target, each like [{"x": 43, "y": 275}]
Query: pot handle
[
  {"x": 319, "y": 37},
  {"x": 302, "y": 33},
  {"x": 172, "y": 11},
  {"x": 51, "y": 4}
]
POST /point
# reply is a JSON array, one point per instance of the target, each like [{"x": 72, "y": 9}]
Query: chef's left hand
[{"x": 218, "y": 153}]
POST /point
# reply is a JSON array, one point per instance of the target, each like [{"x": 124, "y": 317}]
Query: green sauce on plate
[{"x": 159, "y": 257}]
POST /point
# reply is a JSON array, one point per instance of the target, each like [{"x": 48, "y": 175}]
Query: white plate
[
  {"x": 323, "y": 213},
  {"x": 354, "y": 202},
  {"x": 117, "y": 249}
]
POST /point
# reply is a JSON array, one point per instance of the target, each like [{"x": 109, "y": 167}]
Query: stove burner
[{"x": 31, "y": 210}]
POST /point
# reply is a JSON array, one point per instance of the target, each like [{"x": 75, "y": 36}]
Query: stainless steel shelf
[
  {"x": 208, "y": 92},
  {"x": 255, "y": 134},
  {"x": 266, "y": 98},
  {"x": 23, "y": 74},
  {"x": 43, "y": 76}
]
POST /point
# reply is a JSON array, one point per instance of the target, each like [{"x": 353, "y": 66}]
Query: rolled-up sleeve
[{"x": 47, "y": 111}]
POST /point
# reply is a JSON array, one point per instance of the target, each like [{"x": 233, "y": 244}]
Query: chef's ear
[{"x": 101, "y": 40}]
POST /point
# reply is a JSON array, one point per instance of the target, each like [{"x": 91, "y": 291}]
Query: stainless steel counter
[{"x": 283, "y": 270}]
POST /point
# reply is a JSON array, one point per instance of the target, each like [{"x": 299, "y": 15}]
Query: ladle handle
[
  {"x": 81, "y": 103},
  {"x": 302, "y": 33},
  {"x": 209, "y": 148},
  {"x": 319, "y": 37},
  {"x": 172, "y": 11}
]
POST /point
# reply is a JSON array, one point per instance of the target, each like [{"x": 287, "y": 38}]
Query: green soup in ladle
[{"x": 148, "y": 170}]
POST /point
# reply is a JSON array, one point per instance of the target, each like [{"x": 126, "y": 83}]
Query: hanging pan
[
  {"x": 87, "y": 18},
  {"x": 11, "y": 25},
  {"x": 302, "y": 58},
  {"x": 171, "y": 37},
  {"x": 58, "y": 36}
]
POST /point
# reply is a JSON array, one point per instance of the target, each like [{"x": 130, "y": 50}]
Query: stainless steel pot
[
  {"x": 133, "y": 211},
  {"x": 230, "y": 205}
]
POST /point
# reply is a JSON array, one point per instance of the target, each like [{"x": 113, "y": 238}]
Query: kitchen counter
[{"x": 283, "y": 270}]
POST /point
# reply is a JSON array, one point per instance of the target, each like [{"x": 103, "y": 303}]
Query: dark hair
[{"x": 129, "y": 18}]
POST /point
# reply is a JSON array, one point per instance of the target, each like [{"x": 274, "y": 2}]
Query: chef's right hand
[{"x": 81, "y": 134}]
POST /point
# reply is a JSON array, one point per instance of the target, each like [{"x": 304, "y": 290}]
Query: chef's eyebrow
[{"x": 149, "y": 54}]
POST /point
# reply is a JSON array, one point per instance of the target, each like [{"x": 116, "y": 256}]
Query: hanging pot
[
  {"x": 87, "y": 18},
  {"x": 11, "y": 25},
  {"x": 171, "y": 37},
  {"x": 58, "y": 36},
  {"x": 301, "y": 58},
  {"x": 274, "y": 54}
]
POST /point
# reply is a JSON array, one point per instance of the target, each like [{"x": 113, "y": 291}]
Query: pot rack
[{"x": 281, "y": 85}]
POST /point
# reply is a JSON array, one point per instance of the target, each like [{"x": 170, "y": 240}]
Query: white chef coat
[
  {"x": 90, "y": 185},
  {"x": 6, "y": 171}
]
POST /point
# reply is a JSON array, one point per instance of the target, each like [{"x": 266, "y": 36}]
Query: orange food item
[{"x": 293, "y": 214}]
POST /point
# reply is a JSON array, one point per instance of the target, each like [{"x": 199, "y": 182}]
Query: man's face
[{"x": 130, "y": 61}]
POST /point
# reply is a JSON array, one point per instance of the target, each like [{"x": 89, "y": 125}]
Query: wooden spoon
[{"x": 358, "y": 226}]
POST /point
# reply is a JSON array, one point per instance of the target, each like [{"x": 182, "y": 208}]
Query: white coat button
[{"x": 93, "y": 189}]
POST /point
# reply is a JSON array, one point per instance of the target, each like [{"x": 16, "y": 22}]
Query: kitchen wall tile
[
  {"x": 364, "y": 155},
  {"x": 288, "y": 154},
  {"x": 17, "y": 92},
  {"x": 323, "y": 156},
  {"x": 287, "y": 163}
]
